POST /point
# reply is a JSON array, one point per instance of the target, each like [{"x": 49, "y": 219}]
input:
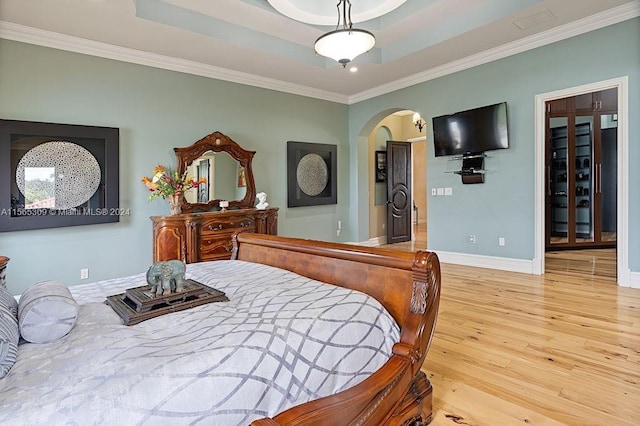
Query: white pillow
[{"x": 46, "y": 312}]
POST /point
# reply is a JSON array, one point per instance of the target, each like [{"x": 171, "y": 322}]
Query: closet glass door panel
[
  {"x": 581, "y": 158},
  {"x": 559, "y": 180},
  {"x": 607, "y": 177},
  {"x": 584, "y": 180}
]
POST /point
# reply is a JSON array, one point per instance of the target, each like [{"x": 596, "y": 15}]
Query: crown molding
[
  {"x": 591, "y": 23},
  {"x": 26, "y": 34}
]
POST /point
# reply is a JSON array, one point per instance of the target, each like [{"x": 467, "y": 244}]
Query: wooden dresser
[{"x": 198, "y": 237}]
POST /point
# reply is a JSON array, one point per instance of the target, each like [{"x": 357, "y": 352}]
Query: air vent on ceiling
[{"x": 535, "y": 19}]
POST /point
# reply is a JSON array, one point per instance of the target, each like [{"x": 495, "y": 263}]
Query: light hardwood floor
[{"x": 562, "y": 348}]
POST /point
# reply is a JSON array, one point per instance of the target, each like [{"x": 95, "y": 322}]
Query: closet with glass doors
[{"x": 581, "y": 171}]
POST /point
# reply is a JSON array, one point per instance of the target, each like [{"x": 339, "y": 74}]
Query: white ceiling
[{"x": 250, "y": 42}]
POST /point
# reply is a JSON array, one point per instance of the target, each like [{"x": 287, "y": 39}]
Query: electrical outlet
[
  {"x": 501, "y": 242},
  {"x": 448, "y": 191},
  {"x": 472, "y": 239},
  {"x": 337, "y": 232},
  {"x": 84, "y": 274},
  {"x": 440, "y": 191}
]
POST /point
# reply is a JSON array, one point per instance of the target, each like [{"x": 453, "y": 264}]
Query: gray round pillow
[{"x": 46, "y": 312}]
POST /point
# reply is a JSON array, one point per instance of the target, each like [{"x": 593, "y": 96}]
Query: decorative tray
[{"x": 137, "y": 304}]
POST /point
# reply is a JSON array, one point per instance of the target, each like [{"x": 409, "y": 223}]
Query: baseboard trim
[
  {"x": 478, "y": 261},
  {"x": 635, "y": 280},
  {"x": 373, "y": 242},
  {"x": 490, "y": 262},
  {"x": 632, "y": 280}
]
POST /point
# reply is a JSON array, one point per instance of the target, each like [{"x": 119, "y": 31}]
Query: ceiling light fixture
[
  {"x": 418, "y": 122},
  {"x": 344, "y": 44}
]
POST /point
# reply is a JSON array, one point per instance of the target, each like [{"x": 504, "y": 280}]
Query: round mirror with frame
[{"x": 209, "y": 158}]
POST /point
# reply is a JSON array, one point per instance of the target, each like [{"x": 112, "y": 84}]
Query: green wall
[
  {"x": 156, "y": 110},
  {"x": 504, "y": 205}
]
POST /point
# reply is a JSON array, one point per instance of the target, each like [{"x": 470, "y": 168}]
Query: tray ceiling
[{"x": 269, "y": 43}]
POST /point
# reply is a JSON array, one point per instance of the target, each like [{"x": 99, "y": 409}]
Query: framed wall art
[
  {"x": 311, "y": 174},
  {"x": 55, "y": 175},
  {"x": 381, "y": 166}
]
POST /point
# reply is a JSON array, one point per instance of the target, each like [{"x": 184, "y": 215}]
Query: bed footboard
[{"x": 407, "y": 284}]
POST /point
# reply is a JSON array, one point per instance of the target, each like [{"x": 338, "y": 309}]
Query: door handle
[{"x": 600, "y": 178}]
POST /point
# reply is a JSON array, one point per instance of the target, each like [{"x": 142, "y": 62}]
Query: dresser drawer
[
  {"x": 217, "y": 225},
  {"x": 215, "y": 246}
]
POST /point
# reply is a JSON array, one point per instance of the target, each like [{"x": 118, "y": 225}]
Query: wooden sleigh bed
[
  {"x": 407, "y": 284},
  {"x": 286, "y": 345}
]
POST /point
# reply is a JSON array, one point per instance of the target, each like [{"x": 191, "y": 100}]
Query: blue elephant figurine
[{"x": 166, "y": 277}]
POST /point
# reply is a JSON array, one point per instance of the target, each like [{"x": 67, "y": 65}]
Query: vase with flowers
[{"x": 171, "y": 186}]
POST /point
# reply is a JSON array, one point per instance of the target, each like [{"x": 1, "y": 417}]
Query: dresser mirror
[{"x": 227, "y": 168}]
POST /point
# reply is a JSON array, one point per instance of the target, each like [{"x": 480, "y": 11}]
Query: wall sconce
[{"x": 418, "y": 122}]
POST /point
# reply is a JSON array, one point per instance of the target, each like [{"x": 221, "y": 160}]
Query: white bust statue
[{"x": 262, "y": 201}]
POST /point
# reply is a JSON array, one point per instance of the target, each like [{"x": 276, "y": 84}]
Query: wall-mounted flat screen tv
[{"x": 471, "y": 132}]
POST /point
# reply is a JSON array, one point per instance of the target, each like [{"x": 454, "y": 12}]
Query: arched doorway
[{"x": 398, "y": 126}]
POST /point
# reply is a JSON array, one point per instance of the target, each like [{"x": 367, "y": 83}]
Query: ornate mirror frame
[{"x": 218, "y": 142}]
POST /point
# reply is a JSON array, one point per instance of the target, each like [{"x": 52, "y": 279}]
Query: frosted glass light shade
[{"x": 344, "y": 45}]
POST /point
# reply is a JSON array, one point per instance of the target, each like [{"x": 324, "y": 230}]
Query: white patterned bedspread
[{"x": 281, "y": 340}]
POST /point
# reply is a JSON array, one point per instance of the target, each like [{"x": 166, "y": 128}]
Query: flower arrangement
[{"x": 170, "y": 185}]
